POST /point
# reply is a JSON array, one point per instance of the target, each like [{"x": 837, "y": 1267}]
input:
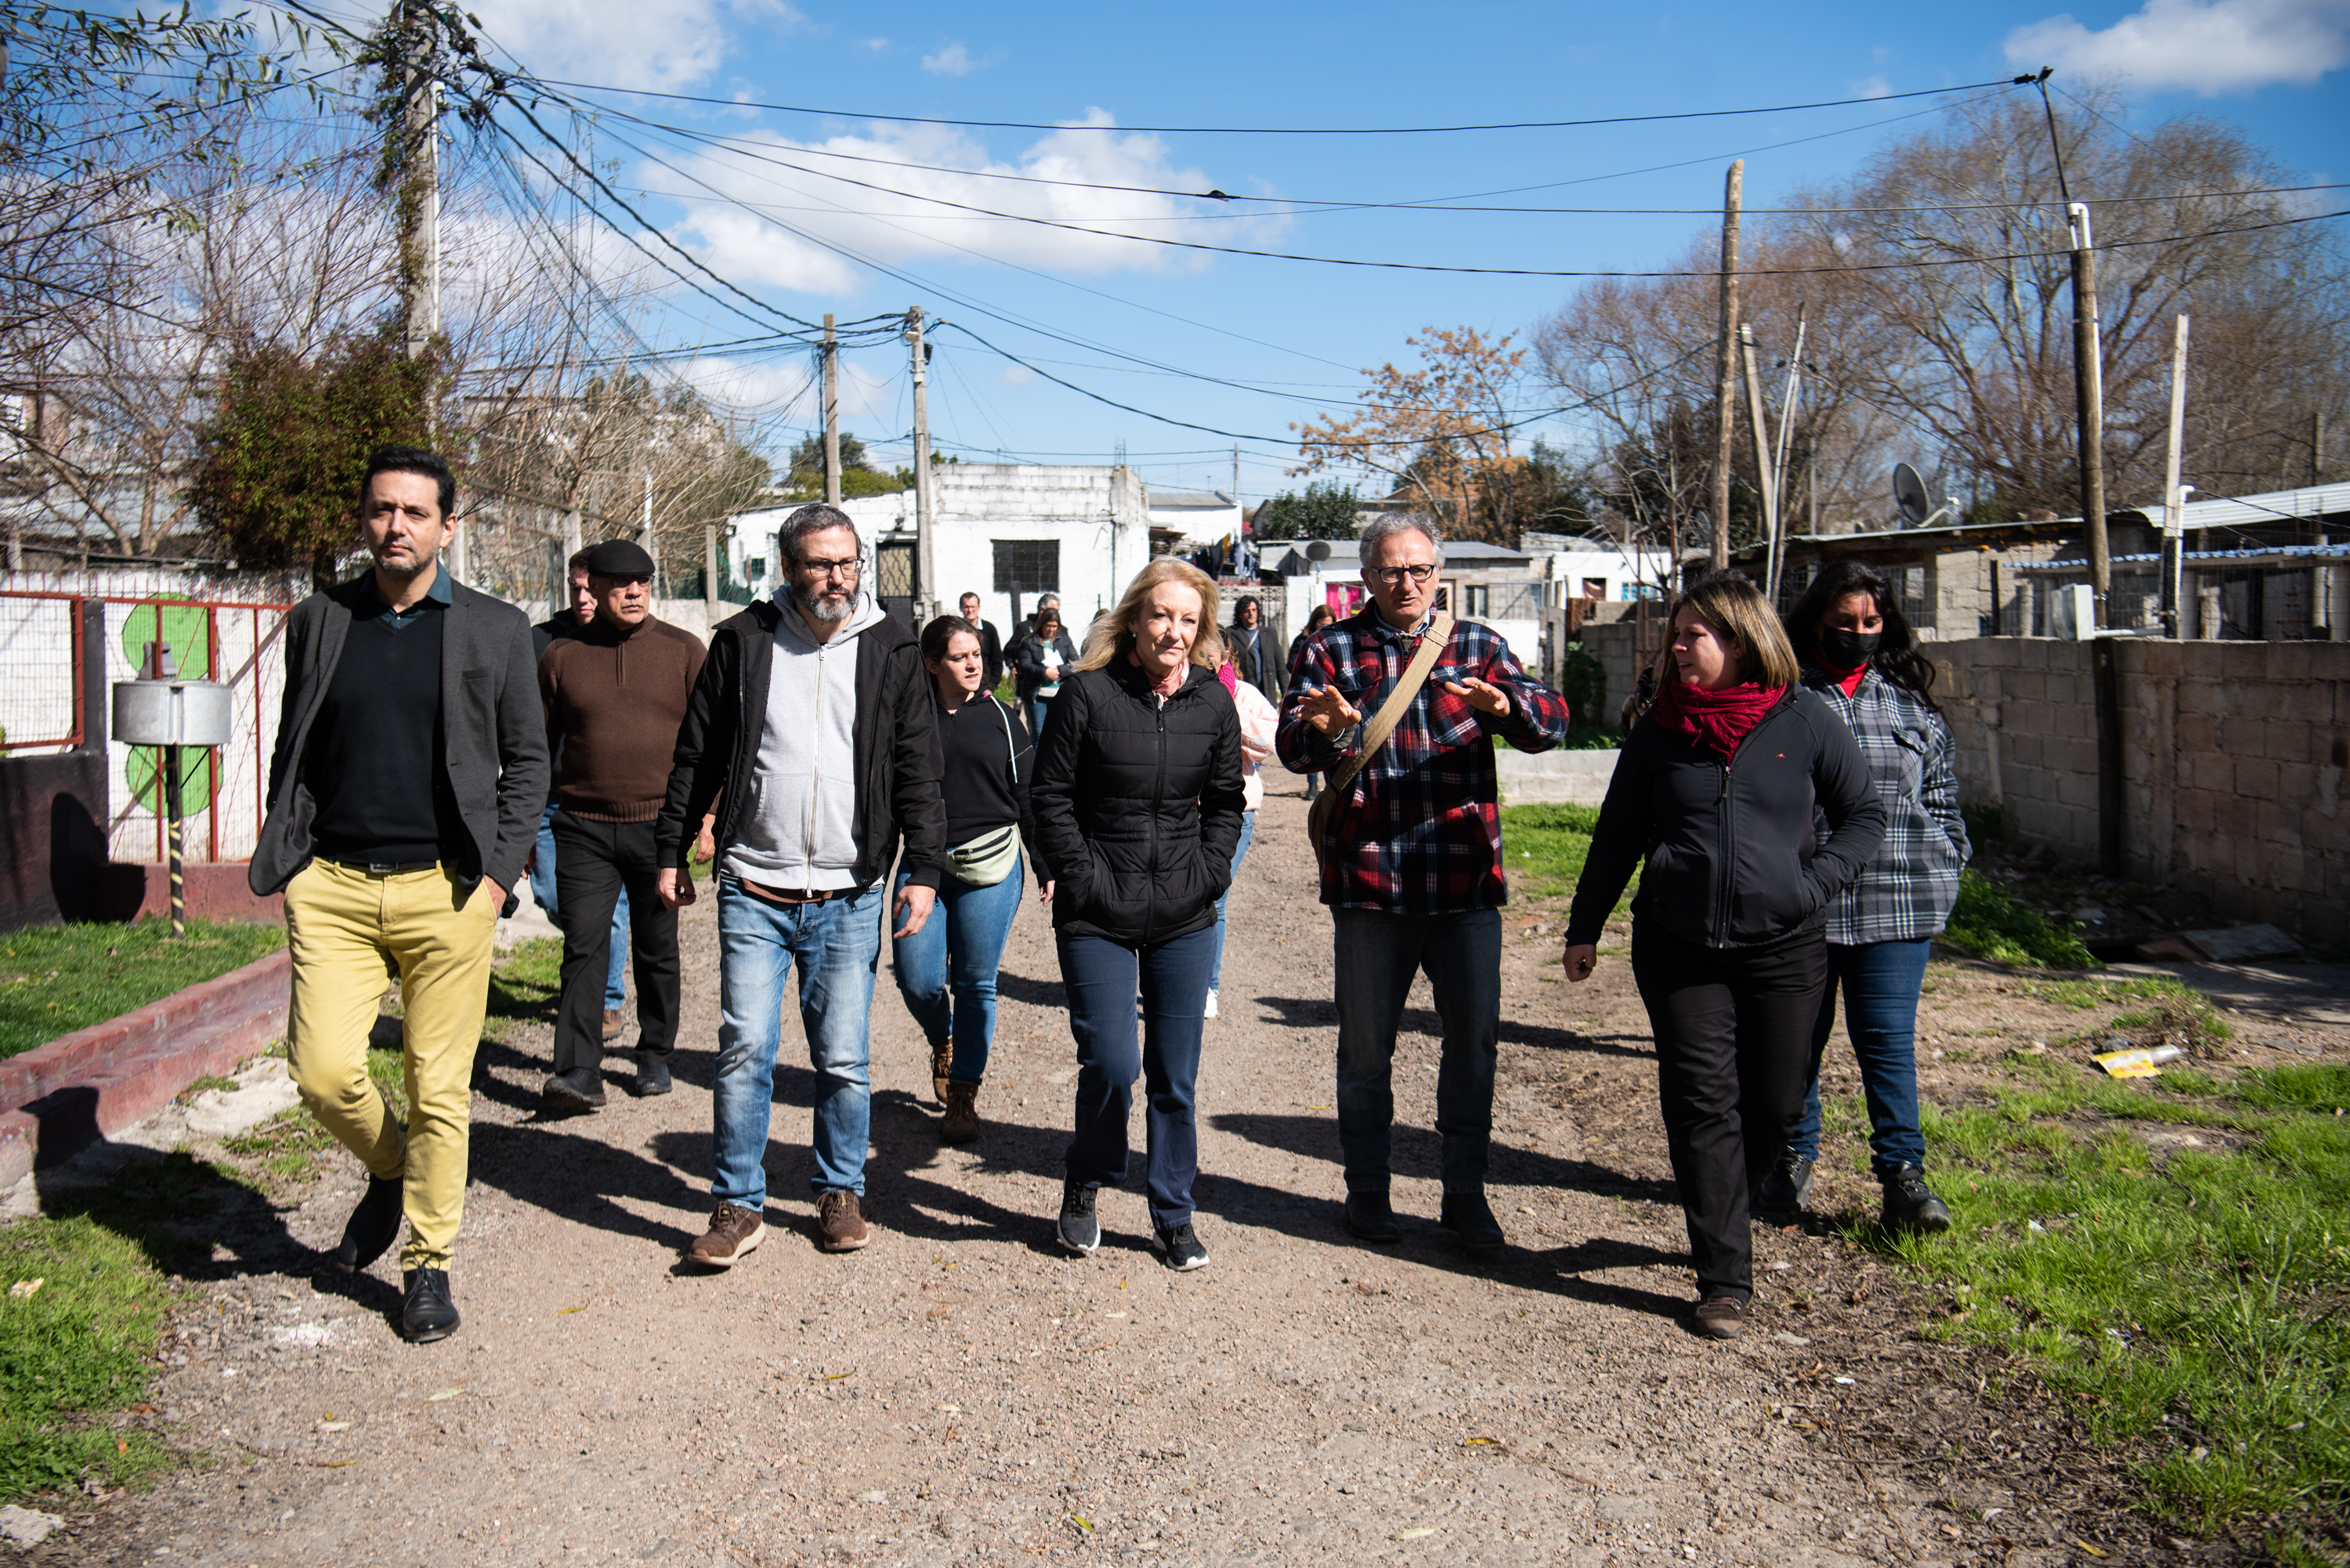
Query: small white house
[
  {"x": 1580, "y": 568},
  {"x": 1205, "y": 515},
  {"x": 1483, "y": 582},
  {"x": 1007, "y": 532}
]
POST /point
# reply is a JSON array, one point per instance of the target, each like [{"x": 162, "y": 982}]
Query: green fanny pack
[{"x": 987, "y": 859}]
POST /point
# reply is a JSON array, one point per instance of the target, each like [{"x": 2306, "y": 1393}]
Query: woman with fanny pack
[{"x": 984, "y": 755}]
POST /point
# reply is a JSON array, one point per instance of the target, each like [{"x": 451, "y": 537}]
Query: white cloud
[
  {"x": 2210, "y": 46},
  {"x": 783, "y": 390},
  {"x": 1872, "y": 86},
  {"x": 740, "y": 247},
  {"x": 898, "y": 224},
  {"x": 656, "y": 43},
  {"x": 956, "y": 61}
]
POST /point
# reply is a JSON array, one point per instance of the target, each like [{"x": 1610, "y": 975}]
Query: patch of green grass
[
  {"x": 2189, "y": 1296},
  {"x": 79, "y": 1347},
  {"x": 526, "y": 986},
  {"x": 1544, "y": 847},
  {"x": 1988, "y": 923},
  {"x": 55, "y": 980}
]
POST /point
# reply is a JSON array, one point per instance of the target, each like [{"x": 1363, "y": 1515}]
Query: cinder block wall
[{"x": 2233, "y": 757}]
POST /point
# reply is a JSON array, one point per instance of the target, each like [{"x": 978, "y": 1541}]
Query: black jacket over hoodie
[
  {"x": 1733, "y": 859},
  {"x": 896, "y": 747},
  {"x": 1138, "y": 805}
]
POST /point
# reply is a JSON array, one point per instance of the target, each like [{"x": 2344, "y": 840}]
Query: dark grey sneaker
[
  {"x": 1180, "y": 1247},
  {"x": 1909, "y": 1205},
  {"x": 580, "y": 1089},
  {"x": 1080, "y": 1230},
  {"x": 1788, "y": 1188},
  {"x": 652, "y": 1072}
]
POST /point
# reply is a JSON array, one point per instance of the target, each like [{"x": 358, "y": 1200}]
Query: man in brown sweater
[{"x": 615, "y": 693}]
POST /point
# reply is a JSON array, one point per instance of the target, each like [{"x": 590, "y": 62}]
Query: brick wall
[{"x": 2233, "y": 761}]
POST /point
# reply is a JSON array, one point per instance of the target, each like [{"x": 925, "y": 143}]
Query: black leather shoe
[
  {"x": 373, "y": 1226},
  {"x": 580, "y": 1089},
  {"x": 1910, "y": 1204},
  {"x": 652, "y": 1073},
  {"x": 426, "y": 1313},
  {"x": 1369, "y": 1219},
  {"x": 1471, "y": 1220}
]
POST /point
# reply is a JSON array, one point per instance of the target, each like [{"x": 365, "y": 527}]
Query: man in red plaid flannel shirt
[{"x": 1412, "y": 867}]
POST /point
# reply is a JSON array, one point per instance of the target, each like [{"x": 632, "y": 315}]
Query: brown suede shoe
[
  {"x": 733, "y": 1231},
  {"x": 1720, "y": 1317},
  {"x": 961, "y": 1122},
  {"x": 613, "y": 1023},
  {"x": 841, "y": 1221},
  {"x": 942, "y": 1058}
]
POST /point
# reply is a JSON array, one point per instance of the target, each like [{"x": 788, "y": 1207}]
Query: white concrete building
[
  {"x": 1579, "y": 568},
  {"x": 1007, "y": 532},
  {"x": 1204, "y": 515},
  {"x": 1481, "y": 582}
]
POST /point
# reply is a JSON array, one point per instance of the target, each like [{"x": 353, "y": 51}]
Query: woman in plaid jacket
[{"x": 1859, "y": 653}]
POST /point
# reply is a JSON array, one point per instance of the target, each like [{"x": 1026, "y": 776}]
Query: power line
[{"x": 1286, "y": 130}]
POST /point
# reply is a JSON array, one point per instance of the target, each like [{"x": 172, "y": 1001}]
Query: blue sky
[{"x": 1295, "y": 334}]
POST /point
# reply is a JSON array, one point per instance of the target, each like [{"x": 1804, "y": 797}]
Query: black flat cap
[{"x": 619, "y": 559}]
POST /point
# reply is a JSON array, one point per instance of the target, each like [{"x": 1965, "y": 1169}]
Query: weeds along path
[{"x": 961, "y": 1391}]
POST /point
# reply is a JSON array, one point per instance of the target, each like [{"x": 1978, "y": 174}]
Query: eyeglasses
[
  {"x": 1387, "y": 577},
  {"x": 828, "y": 568}
]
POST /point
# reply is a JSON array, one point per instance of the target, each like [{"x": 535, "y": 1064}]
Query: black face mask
[{"x": 1848, "y": 650}]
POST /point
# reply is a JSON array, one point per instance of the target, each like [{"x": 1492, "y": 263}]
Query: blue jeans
[
  {"x": 1240, "y": 850},
  {"x": 1103, "y": 979},
  {"x": 837, "y": 945},
  {"x": 1880, "y": 982},
  {"x": 1376, "y": 955},
  {"x": 1037, "y": 708},
  {"x": 542, "y": 889},
  {"x": 956, "y": 952}
]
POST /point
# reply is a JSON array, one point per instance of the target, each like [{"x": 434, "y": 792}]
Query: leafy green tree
[
  {"x": 1324, "y": 511},
  {"x": 280, "y": 460}
]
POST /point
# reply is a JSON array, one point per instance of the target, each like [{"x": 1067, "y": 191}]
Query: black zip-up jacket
[
  {"x": 896, "y": 758},
  {"x": 1734, "y": 859},
  {"x": 1137, "y": 804},
  {"x": 1027, "y": 656}
]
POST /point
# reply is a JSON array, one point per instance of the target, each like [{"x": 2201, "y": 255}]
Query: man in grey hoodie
[{"x": 813, "y": 716}]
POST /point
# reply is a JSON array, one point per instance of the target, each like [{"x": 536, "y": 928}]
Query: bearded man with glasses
[
  {"x": 811, "y": 726},
  {"x": 1411, "y": 859}
]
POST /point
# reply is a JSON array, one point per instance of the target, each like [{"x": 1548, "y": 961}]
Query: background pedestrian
[
  {"x": 568, "y": 620},
  {"x": 1858, "y": 654},
  {"x": 1258, "y": 718},
  {"x": 1322, "y": 615},
  {"x": 1039, "y": 661},
  {"x": 946, "y": 971}
]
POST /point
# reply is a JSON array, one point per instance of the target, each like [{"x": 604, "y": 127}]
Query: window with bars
[{"x": 1027, "y": 565}]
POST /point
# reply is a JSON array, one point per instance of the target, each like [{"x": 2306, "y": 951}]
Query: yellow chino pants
[{"x": 342, "y": 926}]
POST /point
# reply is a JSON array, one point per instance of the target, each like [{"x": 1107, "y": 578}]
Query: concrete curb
[
  {"x": 1554, "y": 777},
  {"x": 57, "y": 1099}
]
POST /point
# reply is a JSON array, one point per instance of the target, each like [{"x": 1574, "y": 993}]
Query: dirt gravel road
[{"x": 962, "y": 1391}]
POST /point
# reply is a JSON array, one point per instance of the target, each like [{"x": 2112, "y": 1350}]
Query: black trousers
[
  {"x": 593, "y": 861},
  {"x": 1733, "y": 1057}
]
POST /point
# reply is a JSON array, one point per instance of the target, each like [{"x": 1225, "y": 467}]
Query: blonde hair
[
  {"x": 1735, "y": 607},
  {"x": 1112, "y": 633}
]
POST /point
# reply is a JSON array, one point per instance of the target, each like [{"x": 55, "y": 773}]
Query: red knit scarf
[{"x": 1717, "y": 720}]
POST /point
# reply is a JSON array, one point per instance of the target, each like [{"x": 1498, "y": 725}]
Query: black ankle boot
[{"x": 373, "y": 1226}]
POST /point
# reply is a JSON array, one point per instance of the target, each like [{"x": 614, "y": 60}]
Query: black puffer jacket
[
  {"x": 1137, "y": 804},
  {"x": 1732, "y": 857}
]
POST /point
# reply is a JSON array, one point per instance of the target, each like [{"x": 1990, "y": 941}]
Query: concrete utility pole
[
  {"x": 831, "y": 415},
  {"x": 1779, "y": 464},
  {"x": 925, "y": 591},
  {"x": 1725, "y": 366},
  {"x": 2174, "y": 501},
  {"x": 2089, "y": 396},
  {"x": 1763, "y": 472},
  {"x": 420, "y": 194}
]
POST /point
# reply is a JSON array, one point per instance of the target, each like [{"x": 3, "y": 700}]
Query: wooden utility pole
[
  {"x": 1763, "y": 473},
  {"x": 2174, "y": 508},
  {"x": 1725, "y": 366},
  {"x": 831, "y": 415},
  {"x": 924, "y": 590}
]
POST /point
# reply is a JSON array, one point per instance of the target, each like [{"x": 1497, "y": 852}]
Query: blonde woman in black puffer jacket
[{"x": 1138, "y": 800}]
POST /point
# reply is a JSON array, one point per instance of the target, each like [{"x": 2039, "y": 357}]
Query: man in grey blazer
[{"x": 404, "y": 793}]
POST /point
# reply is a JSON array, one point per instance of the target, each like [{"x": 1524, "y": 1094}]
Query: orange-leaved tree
[{"x": 1440, "y": 433}]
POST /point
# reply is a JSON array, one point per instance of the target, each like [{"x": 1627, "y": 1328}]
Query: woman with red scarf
[{"x": 1715, "y": 790}]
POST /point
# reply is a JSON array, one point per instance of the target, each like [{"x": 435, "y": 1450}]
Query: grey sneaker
[
  {"x": 1788, "y": 1188},
  {"x": 1181, "y": 1248},
  {"x": 1080, "y": 1230}
]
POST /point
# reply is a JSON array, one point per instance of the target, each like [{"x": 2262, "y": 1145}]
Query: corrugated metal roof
[{"x": 2278, "y": 554}]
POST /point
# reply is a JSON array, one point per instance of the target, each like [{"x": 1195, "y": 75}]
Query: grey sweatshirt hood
[{"x": 800, "y": 802}]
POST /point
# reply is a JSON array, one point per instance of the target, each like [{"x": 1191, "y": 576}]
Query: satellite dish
[
  {"x": 1909, "y": 495},
  {"x": 1317, "y": 550}
]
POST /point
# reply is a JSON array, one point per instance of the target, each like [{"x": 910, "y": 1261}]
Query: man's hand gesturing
[
  {"x": 1326, "y": 709},
  {"x": 1482, "y": 696}
]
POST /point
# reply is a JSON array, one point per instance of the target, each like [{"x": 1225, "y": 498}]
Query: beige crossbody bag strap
[{"x": 1382, "y": 725}]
